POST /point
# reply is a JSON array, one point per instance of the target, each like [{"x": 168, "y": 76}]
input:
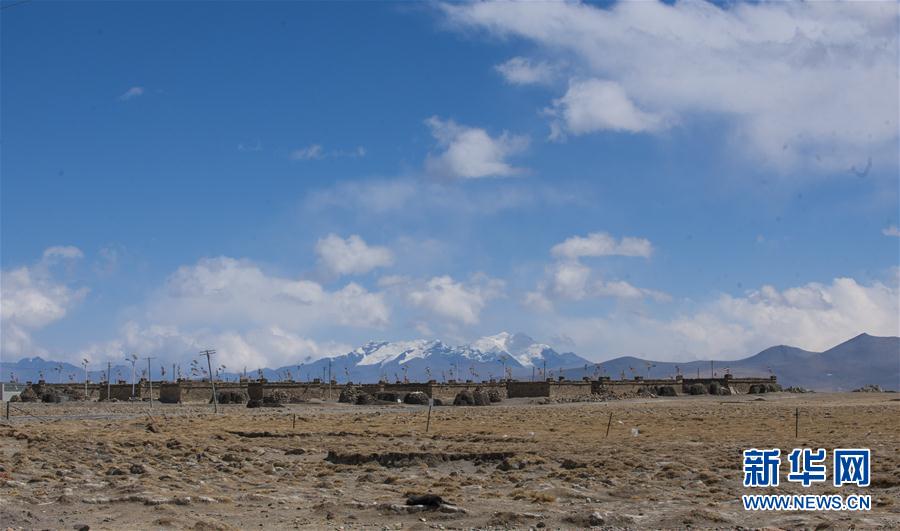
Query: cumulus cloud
[
  {"x": 31, "y": 298},
  {"x": 570, "y": 279},
  {"x": 458, "y": 301},
  {"x": 351, "y": 256},
  {"x": 602, "y": 244},
  {"x": 270, "y": 346},
  {"x": 813, "y": 316},
  {"x": 251, "y": 317},
  {"x": 131, "y": 93},
  {"x": 233, "y": 292},
  {"x": 524, "y": 71},
  {"x": 596, "y": 105},
  {"x": 811, "y": 83},
  {"x": 470, "y": 152},
  {"x": 891, "y": 231}
]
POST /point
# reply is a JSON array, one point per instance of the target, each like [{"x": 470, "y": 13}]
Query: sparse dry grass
[{"x": 506, "y": 465}]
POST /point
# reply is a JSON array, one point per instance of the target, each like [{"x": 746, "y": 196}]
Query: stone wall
[
  {"x": 446, "y": 392},
  {"x": 201, "y": 392},
  {"x": 191, "y": 392}
]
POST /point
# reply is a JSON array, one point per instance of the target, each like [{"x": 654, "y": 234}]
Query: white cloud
[
  {"x": 270, "y": 346},
  {"x": 311, "y": 152},
  {"x": 454, "y": 300},
  {"x": 228, "y": 292},
  {"x": 569, "y": 279},
  {"x": 257, "y": 146},
  {"x": 596, "y": 105},
  {"x": 67, "y": 252},
  {"x": 414, "y": 198},
  {"x": 572, "y": 280},
  {"x": 249, "y": 316},
  {"x": 537, "y": 301},
  {"x": 891, "y": 231},
  {"x": 31, "y": 299},
  {"x": 351, "y": 256},
  {"x": 812, "y": 83},
  {"x": 470, "y": 152},
  {"x": 316, "y": 152},
  {"x": 602, "y": 244},
  {"x": 522, "y": 71},
  {"x": 131, "y": 93},
  {"x": 812, "y": 316},
  {"x": 623, "y": 290}
]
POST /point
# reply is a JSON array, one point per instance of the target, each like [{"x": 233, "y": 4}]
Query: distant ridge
[{"x": 862, "y": 360}]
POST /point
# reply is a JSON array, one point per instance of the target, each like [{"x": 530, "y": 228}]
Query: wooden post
[
  {"x": 797, "y": 423},
  {"x": 7, "y": 410},
  {"x": 608, "y": 424},
  {"x": 294, "y": 423},
  {"x": 428, "y": 422}
]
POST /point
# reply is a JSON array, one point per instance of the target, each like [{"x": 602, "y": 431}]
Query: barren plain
[{"x": 665, "y": 464}]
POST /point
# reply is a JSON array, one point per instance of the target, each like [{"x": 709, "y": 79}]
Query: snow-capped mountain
[{"x": 488, "y": 357}]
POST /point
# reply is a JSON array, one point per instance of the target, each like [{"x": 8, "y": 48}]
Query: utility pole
[
  {"x": 108, "y": 379},
  {"x": 150, "y": 379},
  {"x": 545, "y": 369},
  {"x": 711, "y": 373},
  {"x": 133, "y": 360},
  {"x": 84, "y": 362},
  {"x": 329, "y": 378},
  {"x": 208, "y": 353}
]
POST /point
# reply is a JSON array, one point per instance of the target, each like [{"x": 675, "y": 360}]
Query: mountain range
[{"x": 857, "y": 362}]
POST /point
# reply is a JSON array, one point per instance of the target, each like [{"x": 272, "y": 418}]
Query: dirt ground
[{"x": 667, "y": 463}]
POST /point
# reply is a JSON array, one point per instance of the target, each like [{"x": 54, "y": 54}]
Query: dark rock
[
  {"x": 28, "y": 395},
  {"x": 697, "y": 389},
  {"x": 137, "y": 468},
  {"x": 387, "y": 397},
  {"x": 253, "y": 403},
  {"x": 481, "y": 397},
  {"x": 363, "y": 399},
  {"x": 348, "y": 395},
  {"x": 464, "y": 398},
  {"x": 569, "y": 464},
  {"x": 113, "y": 471},
  {"x": 51, "y": 397},
  {"x": 230, "y": 397},
  {"x": 666, "y": 390},
  {"x": 494, "y": 395},
  {"x": 428, "y": 500},
  {"x": 416, "y": 398}
]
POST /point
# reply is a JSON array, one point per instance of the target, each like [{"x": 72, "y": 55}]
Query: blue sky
[{"x": 289, "y": 180}]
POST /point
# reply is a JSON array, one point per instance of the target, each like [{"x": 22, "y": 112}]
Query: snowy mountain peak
[
  {"x": 382, "y": 352},
  {"x": 519, "y": 346}
]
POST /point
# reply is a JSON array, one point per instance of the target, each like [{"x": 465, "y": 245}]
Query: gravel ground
[{"x": 667, "y": 463}]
